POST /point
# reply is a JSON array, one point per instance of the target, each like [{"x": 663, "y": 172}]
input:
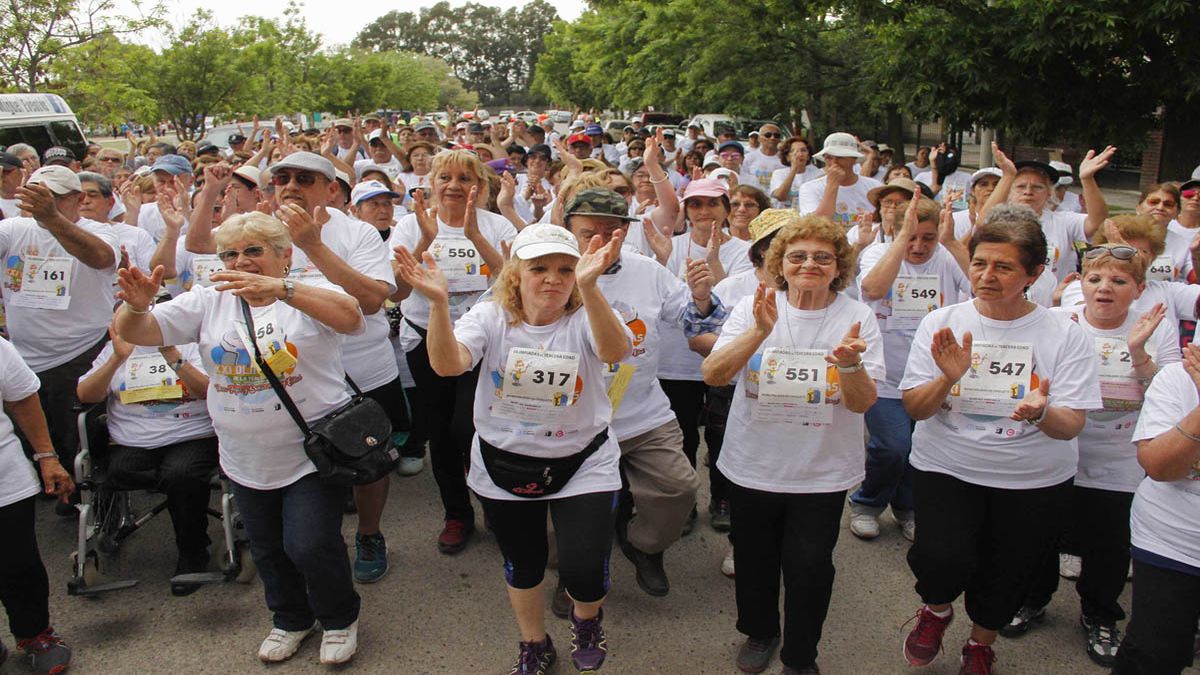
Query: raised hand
[
  {"x": 1003, "y": 163},
  {"x": 255, "y": 288},
  {"x": 301, "y": 225},
  {"x": 137, "y": 289},
  {"x": 427, "y": 280},
  {"x": 508, "y": 191},
  {"x": 766, "y": 313},
  {"x": 1056, "y": 297},
  {"x": 946, "y": 224},
  {"x": 700, "y": 279},
  {"x": 850, "y": 350},
  {"x": 38, "y": 201},
  {"x": 171, "y": 214},
  {"x": 868, "y": 230},
  {"x": 597, "y": 258},
  {"x": 1191, "y": 363},
  {"x": 1093, "y": 162},
  {"x": 121, "y": 349},
  {"x": 426, "y": 217},
  {"x": 131, "y": 197},
  {"x": 1034, "y": 404},
  {"x": 653, "y": 151},
  {"x": 953, "y": 359},
  {"x": 217, "y": 177},
  {"x": 659, "y": 244},
  {"x": 908, "y": 224},
  {"x": 471, "y": 219},
  {"x": 1145, "y": 327}
]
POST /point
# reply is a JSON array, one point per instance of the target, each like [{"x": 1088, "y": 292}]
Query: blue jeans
[
  {"x": 889, "y": 477},
  {"x": 296, "y": 541}
]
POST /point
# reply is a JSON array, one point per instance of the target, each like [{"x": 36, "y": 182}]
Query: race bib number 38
[
  {"x": 792, "y": 385},
  {"x": 999, "y": 376},
  {"x": 149, "y": 378},
  {"x": 538, "y": 385}
]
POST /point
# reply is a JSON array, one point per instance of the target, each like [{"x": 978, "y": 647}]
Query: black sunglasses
[
  {"x": 771, "y": 134},
  {"x": 303, "y": 179},
  {"x": 249, "y": 252}
]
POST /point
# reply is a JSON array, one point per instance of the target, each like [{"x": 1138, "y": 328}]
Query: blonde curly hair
[{"x": 506, "y": 291}]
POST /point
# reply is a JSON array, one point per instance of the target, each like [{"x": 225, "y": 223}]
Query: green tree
[
  {"x": 106, "y": 81},
  {"x": 200, "y": 73}
]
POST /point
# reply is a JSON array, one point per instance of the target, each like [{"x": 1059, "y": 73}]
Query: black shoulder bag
[{"x": 351, "y": 445}]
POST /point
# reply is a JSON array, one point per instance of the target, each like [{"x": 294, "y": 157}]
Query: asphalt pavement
[{"x": 438, "y": 614}]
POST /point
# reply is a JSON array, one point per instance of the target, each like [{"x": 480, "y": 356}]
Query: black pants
[
  {"x": 716, "y": 413},
  {"x": 687, "y": 402},
  {"x": 1158, "y": 639},
  {"x": 24, "y": 587},
  {"x": 445, "y": 404},
  {"x": 982, "y": 541},
  {"x": 392, "y": 398},
  {"x": 419, "y": 435},
  {"x": 182, "y": 472},
  {"x": 795, "y": 533},
  {"x": 1099, "y": 532},
  {"x": 57, "y": 395},
  {"x": 583, "y": 535}
]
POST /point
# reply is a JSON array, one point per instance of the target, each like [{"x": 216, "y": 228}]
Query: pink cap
[{"x": 706, "y": 187}]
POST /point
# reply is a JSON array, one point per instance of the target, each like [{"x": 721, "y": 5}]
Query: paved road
[{"x": 435, "y": 614}]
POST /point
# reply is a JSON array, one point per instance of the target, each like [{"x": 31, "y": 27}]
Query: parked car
[
  {"x": 715, "y": 124},
  {"x": 528, "y": 116},
  {"x": 561, "y": 116},
  {"x": 615, "y": 127}
]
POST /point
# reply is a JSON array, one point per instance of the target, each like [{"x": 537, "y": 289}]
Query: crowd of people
[{"x": 992, "y": 356}]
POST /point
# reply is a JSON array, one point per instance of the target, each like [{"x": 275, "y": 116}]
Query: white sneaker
[
  {"x": 1069, "y": 566},
  {"x": 281, "y": 644},
  {"x": 410, "y": 466},
  {"x": 864, "y": 525},
  {"x": 727, "y": 564},
  {"x": 908, "y": 527},
  {"x": 338, "y": 646}
]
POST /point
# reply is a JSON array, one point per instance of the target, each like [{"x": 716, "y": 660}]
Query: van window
[
  {"x": 36, "y": 135},
  {"x": 67, "y": 135}
]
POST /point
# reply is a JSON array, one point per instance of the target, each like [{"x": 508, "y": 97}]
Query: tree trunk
[{"x": 895, "y": 135}]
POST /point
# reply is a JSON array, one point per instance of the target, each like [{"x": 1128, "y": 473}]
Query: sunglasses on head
[
  {"x": 303, "y": 179},
  {"x": 1118, "y": 252},
  {"x": 249, "y": 252}
]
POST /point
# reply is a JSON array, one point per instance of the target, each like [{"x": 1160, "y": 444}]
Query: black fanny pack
[{"x": 530, "y": 477}]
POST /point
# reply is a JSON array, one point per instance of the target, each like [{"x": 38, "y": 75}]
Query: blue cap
[
  {"x": 594, "y": 130},
  {"x": 176, "y": 165},
  {"x": 732, "y": 144}
]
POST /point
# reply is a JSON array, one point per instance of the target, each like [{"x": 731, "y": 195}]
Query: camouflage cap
[{"x": 598, "y": 202}]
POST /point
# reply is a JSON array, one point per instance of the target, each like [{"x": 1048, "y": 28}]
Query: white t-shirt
[
  {"x": 1070, "y": 203},
  {"x": 1179, "y": 238},
  {"x": 1063, "y": 232},
  {"x": 494, "y": 228},
  {"x": 794, "y": 456},
  {"x": 761, "y": 166},
  {"x": 393, "y": 168},
  {"x": 138, "y": 243},
  {"x": 342, "y": 153},
  {"x": 810, "y": 172},
  {"x": 586, "y": 411},
  {"x": 523, "y": 207},
  {"x": 1042, "y": 290},
  {"x": 412, "y": 180},
  {"x": 260, "y": 445},
  {"x": 8, "y": 208},
  {"x": 648, "y": 298},
  {"x": 18, "y": 478},
  {"x": 993, "y": 450},
  {"x": 951, "y": 284},
  {"x": 851, "y": 199},
  {"x": 1165, "y": 518},
  {"x": 1178, "y": 299},
  {"x": 150, "y": 219},
  {"x": 734, "y": 287},
  {"x": 678, "y": 362},
  {"x": 1107, "y": 457},
  {"x": 50, "y": 337},
  {"x": 154, "y": 423},
  {"x": 962, "y": 223}
]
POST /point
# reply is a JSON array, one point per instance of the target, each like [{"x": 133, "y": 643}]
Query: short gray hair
[
  {"x": 256, "y": 226},
  {"x": 1014, "y": 224},
  {"x": 102, "y": 182},
  {"x": 18, "y": 148}
]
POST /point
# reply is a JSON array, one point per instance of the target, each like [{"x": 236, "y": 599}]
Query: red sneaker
[
  {"x": 453, "y": 538},
  {"x": 924, "y": 643},
  {"x": 977, "y": 660}
]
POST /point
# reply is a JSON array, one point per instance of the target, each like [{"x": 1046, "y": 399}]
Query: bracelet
[
  {"x": 135, "y": 310},
  {"x": 846, "y": 370},
  {"x": 39, "y": 456},
  {"x": 1148, "y": 360},
  {"x": 1040, "y": 418},
  {"x": 1191, "y": 437},
  {"x": 663, "y": 180},
  {"x": 176, "y": 366}
]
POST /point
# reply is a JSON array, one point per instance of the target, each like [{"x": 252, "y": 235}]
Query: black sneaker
[
  {"x": 719, "y": 515},
  {"x": 651, "y": 576},
  {"x": 189, "y": 564},
  {"x": 534, "y": 658},
  {"x": 1103, "y": 640},
  {"x": 1026, "y": 618},
  {"x": 755, "y": 655},
  {"x": 690, "y": 524},
  {"x": 562, "y": 603}
]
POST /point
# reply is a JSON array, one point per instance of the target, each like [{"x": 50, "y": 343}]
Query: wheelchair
[{"x": 107, "y": 517}]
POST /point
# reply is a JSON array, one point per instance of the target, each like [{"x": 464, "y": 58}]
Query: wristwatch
[
  {"x": 846, "y": 370},
  {"x": 175, "y": 365},
  {"x": 289, "y": 290}
]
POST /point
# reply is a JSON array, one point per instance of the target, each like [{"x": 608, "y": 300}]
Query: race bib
[
  {"x": 46, "y": 283},
  {"x": 271, "y": 341},
  {"x": 538, "y": 385},
  {"x": 1162, "y": 269},
  {"x": 913, "y": 296},
  {"x": 792, "y": 385},
  {"x": 1052, "y": 257},
  {"x": 202, "y": 268},
  {"x": 1120, "y": 387},
  {"x": 1000, "y": 375},
  {"x": 149, "y": 378},
  {"x": 461, "y": 262}
]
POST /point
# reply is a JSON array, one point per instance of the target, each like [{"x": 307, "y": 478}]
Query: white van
[{"x": 41, "y": 120}]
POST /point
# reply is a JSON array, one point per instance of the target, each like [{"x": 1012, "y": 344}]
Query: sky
[{"x": 337, "y": 20}]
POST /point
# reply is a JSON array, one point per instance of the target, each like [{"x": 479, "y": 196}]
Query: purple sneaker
[
  {"x": 535, "y": 658},
  {"x": 588, "y": 644}
]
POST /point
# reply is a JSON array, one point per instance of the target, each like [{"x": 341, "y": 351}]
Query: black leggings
[
  {"x": 583, "y": 527},
  {"x": 394, "y": 400},
  {"x": 24, "y": 587},
  {"x": 687, "y": 402},
  {"x": 1166, "y": 606}
]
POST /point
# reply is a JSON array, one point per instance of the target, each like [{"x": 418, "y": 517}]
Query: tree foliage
[
  {"x": 493, "y": 52},
  {"x": 105, "y": 81}
]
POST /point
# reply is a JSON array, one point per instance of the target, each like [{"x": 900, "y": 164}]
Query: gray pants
[{"x": 663, "y": 484}]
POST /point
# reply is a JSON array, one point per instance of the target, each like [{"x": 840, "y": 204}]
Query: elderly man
[
  {"x": 427, "y": 131},
  {"x": 59, "y": 268},
  {"x": 108, "y": 161},
  {"x": 763, "y": 161},
  {"x": 840, "y": 194},
  {"x": 382, "y": 157},
  {"x": 28, "y": 156},
  {"x": 347, "y": 148},
  {"x": 12, "y": 176},
  {"x": 172, "y": 177},
  {"x": 96, "y": 204},
  {"x": 600, "y": 149}
]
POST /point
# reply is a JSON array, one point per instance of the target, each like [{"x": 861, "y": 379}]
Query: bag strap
[{"x": 270, "y": 374}]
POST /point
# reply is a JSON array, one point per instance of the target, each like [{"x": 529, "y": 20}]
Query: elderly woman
[
  {"x": 465, "y": 241},
  {"x": 1165, "y": 525},
  {"x": 543, "y": 409},
  {"x": 162, "y": 437},
  {"x": 1161, "y": 202},
  {"x": 293, "y": 519},
  {"x": 992, "y": 454},
  {"x": 1130, "y": 349},
  {"x": 745, "y": 203},
  {"x": 798, "y": 169},
  {"x": 805, "y": 359},
  {"x": 902, "y": 281}
]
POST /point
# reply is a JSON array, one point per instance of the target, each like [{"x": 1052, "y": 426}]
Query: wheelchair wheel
[
  {"x": 246, "y": 569},
  {"x": 91, "y": 568}
]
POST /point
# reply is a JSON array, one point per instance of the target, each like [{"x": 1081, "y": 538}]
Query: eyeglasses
[
  {"x": 742, "y": 205},
  {"x": 108, "y": 159},
  {"x": 249, "y": 252},
  {"x": 1190, "y": 194},
  {"x": 623, "y": 191},
  {"x": 1118, "y": 252},
  {"x": 821, "y": 258},
  {"x": 771, "y": 134},
  {"x": 302, "y": 179},
  {"x": 1161, "y": 202}
]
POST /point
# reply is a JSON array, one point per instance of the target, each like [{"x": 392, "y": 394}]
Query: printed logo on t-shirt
[
  {"x": 236, "y": 372},
  {"x": 638, "y": 327},
  {"x": 14, "y": 266}
]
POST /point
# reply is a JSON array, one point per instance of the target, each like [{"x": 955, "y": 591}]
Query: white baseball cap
[
  {"x": 986, "y": 171},
  {"x": 542, "y": 239},
  {"x": 839, "y": 144},
  {"x": 368, "y": 189},
  {"x": 1064, "y": 172},
  {"x": 248, "y": 173},
  {"x": 58, "y": 178}
]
